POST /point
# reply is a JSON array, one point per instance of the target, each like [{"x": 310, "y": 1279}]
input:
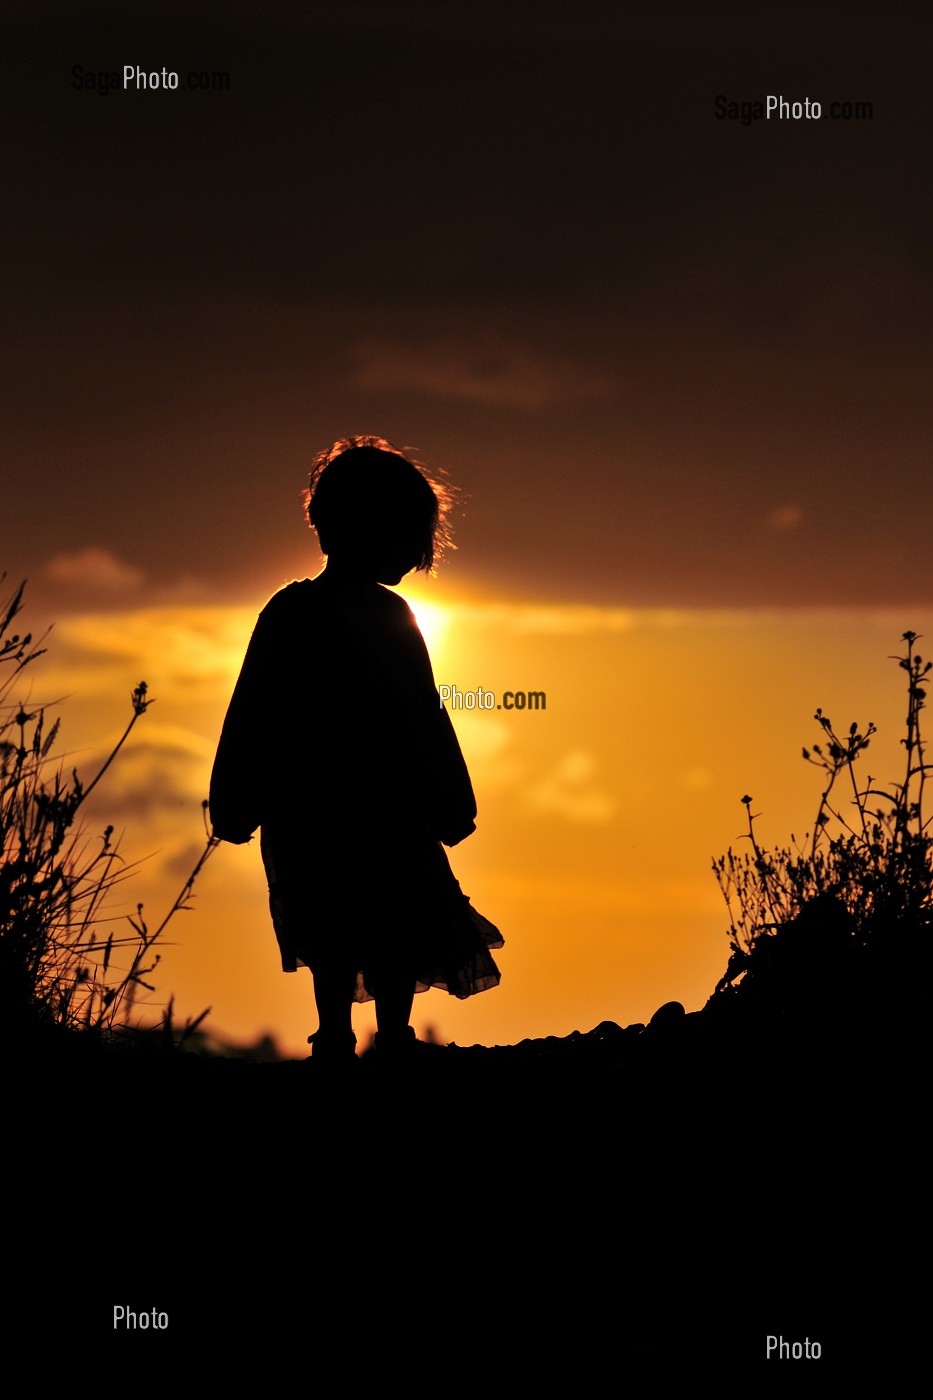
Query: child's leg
[
  {"x": 394, "y": 996},
  {"x": 334, "y": 987}
]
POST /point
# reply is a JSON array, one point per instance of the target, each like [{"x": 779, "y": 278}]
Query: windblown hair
[{"x": 361, "y": 486}]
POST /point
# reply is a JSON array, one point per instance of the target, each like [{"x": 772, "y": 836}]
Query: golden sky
[{"x": 598, "y": 815}]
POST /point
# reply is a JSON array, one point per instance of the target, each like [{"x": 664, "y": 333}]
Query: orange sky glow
[{"x": 598, "y": 815}]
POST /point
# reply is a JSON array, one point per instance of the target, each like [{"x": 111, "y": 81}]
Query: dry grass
[
  {"x": 865, "y": 867},
  {"x": 63, "y": 961}
]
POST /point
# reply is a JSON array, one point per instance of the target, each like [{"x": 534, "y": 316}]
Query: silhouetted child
[{"x": 336, "y": 745}]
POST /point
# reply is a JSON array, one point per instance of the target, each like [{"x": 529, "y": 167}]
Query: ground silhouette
[{"x": 657, "y": 1198}]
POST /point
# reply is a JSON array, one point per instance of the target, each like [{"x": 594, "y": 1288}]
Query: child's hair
[{"x": 361, "y": 486}]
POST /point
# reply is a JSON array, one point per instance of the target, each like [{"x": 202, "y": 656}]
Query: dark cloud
[
  {"x": 516, "y": 236},
  {"x": 94, "y": 571}
]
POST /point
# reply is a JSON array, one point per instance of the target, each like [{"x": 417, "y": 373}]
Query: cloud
[
  {"x": 194, "y": 653},
  {"x": 786, "y": 517},
  {"x": 695, "y": 779},
  {"x": 570, "y": 790},
  {"x": 587, "y": 620},
  {"x": 95, "y": 569},
  {"x": 487, "y": 745},
  {"x": 581, "y": 619},
  {"x": 495, "y": 374},
  {"x": 161, "y": 769}
]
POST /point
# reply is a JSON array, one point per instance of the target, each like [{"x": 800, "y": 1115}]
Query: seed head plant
[
  {"x": 865, "y": 868},
  {"x": 62, "y": 961}
]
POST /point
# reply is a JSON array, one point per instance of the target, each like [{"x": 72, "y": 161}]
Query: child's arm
[
  {"x": 456, "y": 809},
  {"x": 453, "y": 803},
  {"x": 240, "y": 766}
]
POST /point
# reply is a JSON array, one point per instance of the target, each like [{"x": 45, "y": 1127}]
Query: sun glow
[{"x": 433, "y": 621}]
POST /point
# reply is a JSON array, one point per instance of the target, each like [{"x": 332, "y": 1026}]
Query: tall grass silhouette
[
  {"x": 63, "y": 960},
  {"x": 856, "y": 895}
]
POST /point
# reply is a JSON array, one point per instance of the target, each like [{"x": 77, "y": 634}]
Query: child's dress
[{"x": 336, "y": 744}]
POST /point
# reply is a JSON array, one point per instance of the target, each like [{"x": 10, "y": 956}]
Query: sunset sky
[{"x": 678, "y": 365}]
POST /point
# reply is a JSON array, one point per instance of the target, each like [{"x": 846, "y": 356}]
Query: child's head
[{"x": 375, "y": 508}]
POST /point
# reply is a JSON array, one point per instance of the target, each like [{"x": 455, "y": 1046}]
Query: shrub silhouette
[
  {"x": 854, "y": 900},
  {"x": 56, "y": 968}
]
